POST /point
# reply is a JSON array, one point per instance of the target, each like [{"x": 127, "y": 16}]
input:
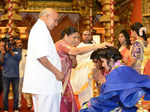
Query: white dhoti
[{"x": 46, "y": 103}]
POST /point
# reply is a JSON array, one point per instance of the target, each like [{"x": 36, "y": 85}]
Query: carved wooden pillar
[
  {"x": 108, "y": 19},
  {"x": 86, "y": 19},
  {"x": 90, "y": 2},
  {"x": 146, "y": 14},
  {"x": 11, "y": 16}
]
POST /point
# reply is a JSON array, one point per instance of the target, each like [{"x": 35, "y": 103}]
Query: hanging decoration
[
  {"x": 112, "y": 20},
  {"x": 10, "y": 14}
]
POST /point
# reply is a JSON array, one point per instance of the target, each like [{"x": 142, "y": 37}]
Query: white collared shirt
[{"x": 37, "y": 78}]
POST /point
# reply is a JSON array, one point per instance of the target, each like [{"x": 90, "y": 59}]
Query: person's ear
[{"x": 111, "y": 62}]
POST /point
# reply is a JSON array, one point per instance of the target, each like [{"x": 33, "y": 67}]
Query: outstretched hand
[{"x": 103, "y": 45}]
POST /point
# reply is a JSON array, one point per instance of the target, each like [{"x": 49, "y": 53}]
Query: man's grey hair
[{"x": 44, "y": 13}]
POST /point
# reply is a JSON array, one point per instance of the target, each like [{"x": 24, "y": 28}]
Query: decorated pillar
[
  {"x": 112, "y": 20},
  {"x": 108, "y": 19},
  {"x": 86, "y": 19},
  {"x": 146, "y": 15},
  {"x": 91, "y": 14},
  {"x": 11, "y": 16}
]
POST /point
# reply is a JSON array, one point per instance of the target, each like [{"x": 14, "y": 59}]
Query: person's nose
[
  {"x": 56, "y": 23},
  {"x": 103, "y": 65}
]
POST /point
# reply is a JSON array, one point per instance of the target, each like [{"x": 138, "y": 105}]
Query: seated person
[{"x": 123, "y": 86}]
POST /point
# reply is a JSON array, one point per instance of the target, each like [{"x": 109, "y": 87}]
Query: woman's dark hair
[
  {"x": 107, "y": 53},
  {"x": 68, "y": 31},
  {"x": 127, "y": 38},
  {"x": 136, "y": 27}
]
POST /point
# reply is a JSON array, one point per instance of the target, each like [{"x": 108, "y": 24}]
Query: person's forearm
[
  {"x": 46, "y": 63},
  {"x": 2, "y": 58},
  {"x": 80, "y": 50}
]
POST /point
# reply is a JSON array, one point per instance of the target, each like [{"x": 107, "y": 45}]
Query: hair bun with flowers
[{"x": 141, "y": 30}]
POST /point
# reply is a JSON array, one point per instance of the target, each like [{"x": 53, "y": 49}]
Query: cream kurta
[{"x": 37, "y": 78}]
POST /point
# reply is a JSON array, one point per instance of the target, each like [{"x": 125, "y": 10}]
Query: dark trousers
[{"x": 6, "y": 86}]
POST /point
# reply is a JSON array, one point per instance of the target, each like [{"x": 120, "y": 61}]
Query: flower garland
[
  {"x": 117, "y": 64},
  {"x": 10, "y": 22}
]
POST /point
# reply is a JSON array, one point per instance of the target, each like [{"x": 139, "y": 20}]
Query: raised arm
[{"x": 81, "y": 50}]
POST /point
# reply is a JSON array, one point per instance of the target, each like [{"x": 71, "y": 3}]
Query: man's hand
[
  {"x": 60, "y": 76},
  {"x": 11, "y": 52},
  {"x": 46, "y": 63},
  {"x": 3, "y": 51}
]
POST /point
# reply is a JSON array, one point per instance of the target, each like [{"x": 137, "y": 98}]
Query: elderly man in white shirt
[{"x": 43, "y": 74}]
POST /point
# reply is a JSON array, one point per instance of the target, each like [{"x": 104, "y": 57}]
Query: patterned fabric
[
  {"x": 137, "y": 52},
  {"x": 117, "y": 64}
]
